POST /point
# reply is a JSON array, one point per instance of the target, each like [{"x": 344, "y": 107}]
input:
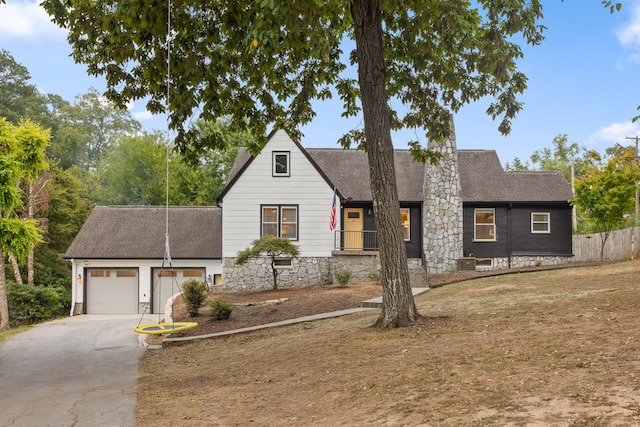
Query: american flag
[{"x": 332, "y": 216}]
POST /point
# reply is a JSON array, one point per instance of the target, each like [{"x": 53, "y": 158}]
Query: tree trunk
[
  {"x": 275, "y": 273},
  {"x": 16, "y": 270},
  {"x": 4, "y": 304},
  {"x": 30, "y": 264},
  {"x": 398, "y": 306}
]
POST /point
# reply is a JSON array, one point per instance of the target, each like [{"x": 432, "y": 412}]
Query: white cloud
[
  {"x": 615, "y": 133},
  {"x": 142, "y": 115},
  {"x": 629, "y": 35},
  {"x": 22, "y": 19}
]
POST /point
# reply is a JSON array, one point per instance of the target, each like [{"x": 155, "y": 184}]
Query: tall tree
[
  {"x": 31, "y": 141},
  {"x": 87, "y": 129},
  {"x": 18, "y": 98},
  {"x": 264, "y": 62},
  {"x": 17, "y": 236}
]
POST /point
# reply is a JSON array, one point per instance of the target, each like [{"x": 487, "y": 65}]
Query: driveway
[{"x": 79, "y": 371}]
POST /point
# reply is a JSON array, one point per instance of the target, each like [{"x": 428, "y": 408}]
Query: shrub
[
  {"x": 194, "y": 293},
  {"x": 343, "y": 276},
  {"x": 374, "y": 276},
  {"x": 35, "y": 304},
  {"x": 220, "y": 309}
]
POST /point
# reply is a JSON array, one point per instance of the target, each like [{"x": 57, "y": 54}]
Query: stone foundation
[
  {"x": 521, "y": 261},
  {"x": 365, "y": 267},
  {"x": 256, "y": 274}
]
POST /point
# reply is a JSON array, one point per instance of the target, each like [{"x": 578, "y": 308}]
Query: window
[
  {"x": 125, "y": 273},
  {"x": 280, "y": 163},
  {"x": 404, "y": 218},
  {"x": 192, "y": 273},
  {"x": 282, "y": 262},
  {"x": 540, "y": 222},
  {"x": 280, "y": 221},
  {"x": 99, "y": 273},
  {"x": 166, "y": 273},
  {"x": 485, "y": 225}
]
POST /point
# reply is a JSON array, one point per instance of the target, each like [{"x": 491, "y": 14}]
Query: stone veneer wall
[
  {"x": 442, "y": 209},
  {"x": 520, "y": 261},
  {"x": 307, "y": 271},
  {"x": 256, "y": 273},
  {"x": 362, "y": 264}
]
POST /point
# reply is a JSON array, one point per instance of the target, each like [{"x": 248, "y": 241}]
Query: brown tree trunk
[
  {"x": 398, "y": 306},
  {"x": 4, "y": 304},
  {"x": 16, "y": 270}
]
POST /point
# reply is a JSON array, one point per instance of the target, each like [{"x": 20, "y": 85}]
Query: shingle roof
[
  {"x": 138, "y": 232},
  {"x": 481, "y": 176}
]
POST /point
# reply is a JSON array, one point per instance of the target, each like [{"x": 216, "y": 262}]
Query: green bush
[
  {"x": 343, "y": 276},
  {"x": 220, "y": 309},
  {"x": 35, "y": 304},
  {"x": 194, "y": 293},
  {"x": 374, "y": 276}
]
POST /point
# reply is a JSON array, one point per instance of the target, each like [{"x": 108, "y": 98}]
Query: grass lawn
[{"x": 549, "y": 348}]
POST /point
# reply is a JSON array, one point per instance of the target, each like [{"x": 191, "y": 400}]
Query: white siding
[{"x": 304, "y": 187}]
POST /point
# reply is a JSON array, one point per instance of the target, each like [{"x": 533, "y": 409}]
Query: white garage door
[
  {"x": 112, "y": 291},
  {"x": 167, "y": 282}
]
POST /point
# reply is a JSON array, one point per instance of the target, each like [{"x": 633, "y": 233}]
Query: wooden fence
[{"x": 621, "y": 245}]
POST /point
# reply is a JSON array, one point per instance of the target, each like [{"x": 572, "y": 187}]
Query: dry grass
[{"x": 553, "y": 348}]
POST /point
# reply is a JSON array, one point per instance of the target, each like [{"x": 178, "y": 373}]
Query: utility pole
[{"x": 636, "y": 139}]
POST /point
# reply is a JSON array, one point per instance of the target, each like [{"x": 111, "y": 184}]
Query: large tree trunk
[
  {"x": 4, "y": 304},
  {"x": 398, "y": 306}
]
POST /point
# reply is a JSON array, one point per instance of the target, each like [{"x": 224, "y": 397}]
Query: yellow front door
[{"x": 353, "y": 226}]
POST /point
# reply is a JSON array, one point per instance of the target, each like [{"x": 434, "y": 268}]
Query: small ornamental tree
[
  {"x": 605, "y": 193},
  {"x": 272, "y": 247}
]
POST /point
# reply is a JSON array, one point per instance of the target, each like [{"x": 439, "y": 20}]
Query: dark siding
[
  {"x": 517, "y": 220},
  {"x": 499, "y": 248},
  {"x": 414, "y": 245},
  {"x": 557, "y": 242}
]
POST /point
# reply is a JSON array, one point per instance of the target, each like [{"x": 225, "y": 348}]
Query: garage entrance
[
  {"x": 167, "y": 282},
  {"x": 111, "y": 291}
]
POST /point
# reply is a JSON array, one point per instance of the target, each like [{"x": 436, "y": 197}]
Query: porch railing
[{"x": 355, "y": 240}]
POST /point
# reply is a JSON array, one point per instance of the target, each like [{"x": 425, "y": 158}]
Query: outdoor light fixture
[{"x": 79, "y": 279}]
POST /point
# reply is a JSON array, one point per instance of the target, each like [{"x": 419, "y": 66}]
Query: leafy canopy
[{"x": 264, "y": 62}]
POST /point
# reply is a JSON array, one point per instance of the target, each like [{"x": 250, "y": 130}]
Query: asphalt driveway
[{"x": 80, "y": 371}]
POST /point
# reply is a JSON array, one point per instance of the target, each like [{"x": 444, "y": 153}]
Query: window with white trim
[
  {"x": 280, "y": 221},
  {"x": 280, "y": 165},
  {"x": 484, "y": 229},
  {"x": 540, "y": 222},
  {"x": 405, "y": 219}
]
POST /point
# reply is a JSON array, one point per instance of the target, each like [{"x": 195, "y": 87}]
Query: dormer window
[{"x": 281, "y": 163}]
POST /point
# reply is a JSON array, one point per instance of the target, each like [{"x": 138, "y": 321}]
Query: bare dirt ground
[{"x": 548, "y": 348}]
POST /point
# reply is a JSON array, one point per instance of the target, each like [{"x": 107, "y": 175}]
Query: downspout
[
  {"x": 74, "y": 274},
  {"x": 509, "y": 250}
]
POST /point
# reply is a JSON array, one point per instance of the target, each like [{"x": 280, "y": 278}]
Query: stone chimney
[{"x": 442, "y": 209}]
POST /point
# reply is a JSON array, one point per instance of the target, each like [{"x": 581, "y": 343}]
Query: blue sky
[{"x": 584, "y": 80}]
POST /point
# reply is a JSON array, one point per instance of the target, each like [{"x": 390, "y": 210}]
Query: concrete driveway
[{"x": 79, "y": 371}]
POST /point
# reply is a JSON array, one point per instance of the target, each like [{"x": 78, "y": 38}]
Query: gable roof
[
  {"x": 138, "y": 232},
  {"x": 482, "y": 177}
]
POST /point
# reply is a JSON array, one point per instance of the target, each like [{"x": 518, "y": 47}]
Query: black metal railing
[{"x": 355, "y": 240}]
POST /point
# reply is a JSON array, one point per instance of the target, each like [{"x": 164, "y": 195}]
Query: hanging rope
[{"x": 160, "y": 327}]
